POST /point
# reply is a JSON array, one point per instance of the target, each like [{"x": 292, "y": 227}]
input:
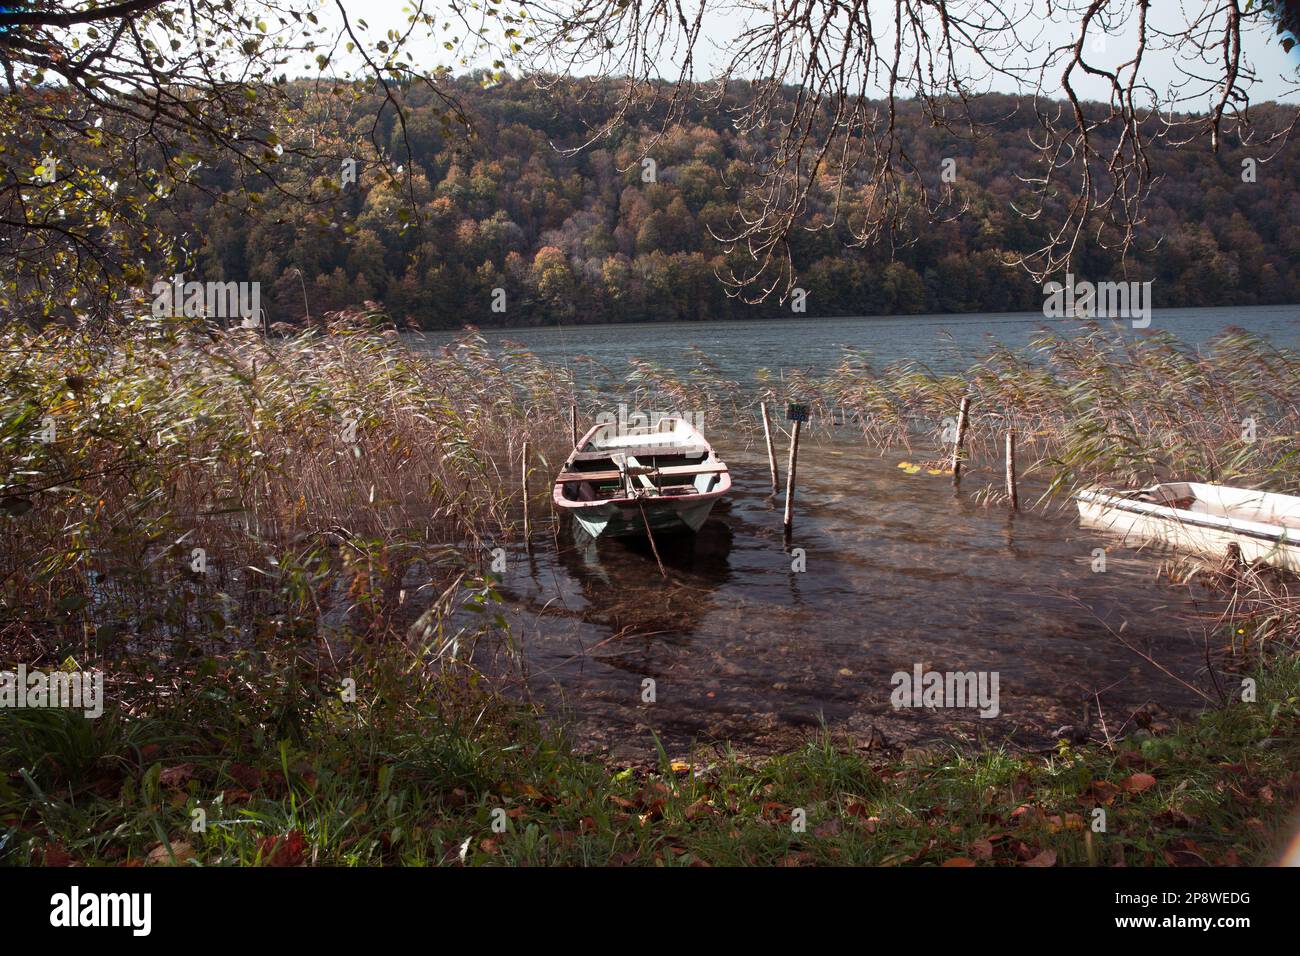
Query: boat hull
[
  {"x": 1141, "y": 522},
  {"x": 622, "y": 519}
]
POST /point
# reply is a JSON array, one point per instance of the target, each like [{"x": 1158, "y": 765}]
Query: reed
[
  {"x": 1098, "y": 407},
  {"x": 322, "y": 475}
]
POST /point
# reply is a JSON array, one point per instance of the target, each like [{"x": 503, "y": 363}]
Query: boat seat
[
  {"x": 673, "y": 491},
  {"x": 667, "y": 471},
  {"x": 643, "y": 450}
]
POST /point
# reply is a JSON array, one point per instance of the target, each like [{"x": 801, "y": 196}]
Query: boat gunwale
[
  {"x": 1278, "y": 534},
  {"x": 724, "y": 485},
  {"x": 711, "y": 460}
]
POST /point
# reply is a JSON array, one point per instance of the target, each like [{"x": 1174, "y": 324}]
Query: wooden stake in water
[
  {"x": 1011, "y": 470},
  {"x": 797, "y": 414},
  {"x": 961, "y": 439},
  {"x": 524, "y": 469},
  {"x": 771, "y": 450},
  {"x": 573, "y": 423}
]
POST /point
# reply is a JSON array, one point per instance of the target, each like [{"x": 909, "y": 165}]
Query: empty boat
[
  {"x": 1200, "y": 517},
  {"x": 622, "y": 481}
]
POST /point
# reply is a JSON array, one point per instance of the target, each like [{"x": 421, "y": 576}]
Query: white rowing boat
[
  {"x": 1200, "y": 517},
  {"x": 619, "y": 481}
]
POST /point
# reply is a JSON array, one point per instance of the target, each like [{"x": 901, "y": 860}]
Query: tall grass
[
  {"x": 330, "y": 474},
  {"x": 1096, "y": 408},
  {"x": 323, "y": 475},
  {"x": 1099, "y": 407}
]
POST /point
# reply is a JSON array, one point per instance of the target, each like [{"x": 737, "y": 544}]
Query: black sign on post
[{"x": 797, "y": 413}]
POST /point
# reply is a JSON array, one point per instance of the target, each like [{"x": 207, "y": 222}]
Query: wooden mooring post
[
  {"x": 1012, "y": 491},
  {"x": 962, "y": 418},
  {"x": 797, "y": 414},
  {"x": 524, "y": 478},
  {"x": 573, "y": 422},
  {"x": 771, "y": 451}
]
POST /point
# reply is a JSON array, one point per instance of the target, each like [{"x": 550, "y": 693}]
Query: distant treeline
[{"x": 581, "y": 237}]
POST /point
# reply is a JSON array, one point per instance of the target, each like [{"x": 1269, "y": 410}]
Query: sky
[{"x": 1275, "y": 68}]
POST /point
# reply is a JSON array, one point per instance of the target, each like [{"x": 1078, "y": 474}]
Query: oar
[{"x": 649, "y": 534}]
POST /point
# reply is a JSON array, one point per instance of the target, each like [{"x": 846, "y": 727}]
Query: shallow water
[{"x": 900, "y": 571}]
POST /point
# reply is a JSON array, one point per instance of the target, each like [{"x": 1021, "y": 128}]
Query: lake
[
  {"x": 943, "y": 342},
  {"x": 898, "y": 571}
]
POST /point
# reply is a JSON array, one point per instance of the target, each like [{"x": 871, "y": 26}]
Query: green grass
[{"x": 417, "y": 779}]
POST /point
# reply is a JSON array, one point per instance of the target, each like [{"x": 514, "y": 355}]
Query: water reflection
[{"x": 621, "y": 584}]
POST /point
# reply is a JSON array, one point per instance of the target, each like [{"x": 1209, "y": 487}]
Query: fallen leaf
[
  {"x": 1028, "y": 813},
  {"x": 1101, "y": 791},
  {"x": 55, "y": 855},
  {"x": 698, "y": 807},
  {"x": 1046, "y": 858},
  {"x": 250, "y": 778},
  {"x": 1174, "y": 817},
  {"x": 1137, "y": 782},
  {"x": 284, "y": 850},
  {"x": 159, "y": 856},
  {"x": 177, "y": 775},
  {"x": 1185, "y": 858},
  {"x": 830, "y": 828},
  {"x": 958, "y": 861},
  {"x": 1071, "y": 821},
  {"x": 982, "y": 850}
]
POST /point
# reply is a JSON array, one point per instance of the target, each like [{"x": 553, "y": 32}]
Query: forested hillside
[{"x": 581, "y": 237}]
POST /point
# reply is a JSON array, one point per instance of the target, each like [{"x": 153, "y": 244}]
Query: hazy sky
[{"x": 1276, "y": 69}]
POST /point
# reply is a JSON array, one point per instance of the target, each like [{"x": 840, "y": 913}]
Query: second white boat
[{"x": 1201, "y": 517}]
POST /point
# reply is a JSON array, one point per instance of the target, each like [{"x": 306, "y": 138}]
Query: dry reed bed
[
  {"x": 338, "y": 465},
  {"x": 289, "y": 462},
  {"x": 1099, "y": 407}
]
